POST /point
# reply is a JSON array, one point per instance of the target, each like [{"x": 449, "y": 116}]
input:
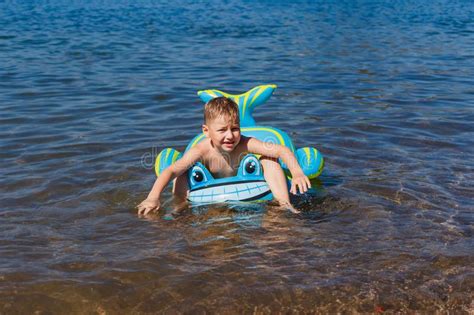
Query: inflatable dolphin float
[{"x": 249, "y": 183}]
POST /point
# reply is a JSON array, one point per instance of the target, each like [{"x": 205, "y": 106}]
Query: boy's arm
[
  {"x": 299, "y": 179},
  {"x": 152, "y": 202}
]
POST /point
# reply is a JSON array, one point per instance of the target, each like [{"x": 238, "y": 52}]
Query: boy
[{"x": 221, "y": 152}]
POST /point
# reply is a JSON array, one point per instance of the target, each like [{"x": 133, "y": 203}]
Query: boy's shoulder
[
  {"x": 203, "y": 146},
  {"x": 244, "y": 141}
]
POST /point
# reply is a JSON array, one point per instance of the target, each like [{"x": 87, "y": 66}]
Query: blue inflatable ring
[{"x": 249, "y": 183}]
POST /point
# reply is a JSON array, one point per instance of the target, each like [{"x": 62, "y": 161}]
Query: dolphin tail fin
[
  {"x": 166, "y": 157},
  {"x": 246, "y": 101}
]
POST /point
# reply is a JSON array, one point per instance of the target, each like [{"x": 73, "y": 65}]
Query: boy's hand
[
  {"x": 301, "y": 182},
  {"x": 148, "y": 205}
]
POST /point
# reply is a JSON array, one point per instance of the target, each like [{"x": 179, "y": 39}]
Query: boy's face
[{"x": 223, "y": 132}]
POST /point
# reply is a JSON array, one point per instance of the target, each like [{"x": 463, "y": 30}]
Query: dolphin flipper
[
  {"x": 311, "y": 161},
  {"x": 246, "y": 101},
  {"x": 166, "y": 157}
]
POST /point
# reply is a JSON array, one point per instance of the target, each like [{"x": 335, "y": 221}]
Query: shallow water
[{"x": 90, "y": 92}]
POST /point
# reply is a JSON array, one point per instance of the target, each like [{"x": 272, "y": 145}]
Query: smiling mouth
[{"x": 248, "y": 190}]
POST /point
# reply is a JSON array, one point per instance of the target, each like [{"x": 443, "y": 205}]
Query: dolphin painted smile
[{"x": 248, "y": 185}]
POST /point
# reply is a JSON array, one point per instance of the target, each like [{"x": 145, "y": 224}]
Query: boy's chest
[{"x": 223, "y": 165}]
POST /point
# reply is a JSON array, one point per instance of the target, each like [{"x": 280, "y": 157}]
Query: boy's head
[
  {"x": 221, "y": 123},
  {"x": 221, "y": 106}
]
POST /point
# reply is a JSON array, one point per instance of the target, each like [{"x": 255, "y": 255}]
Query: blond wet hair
[{"x": 221, "y": 106}]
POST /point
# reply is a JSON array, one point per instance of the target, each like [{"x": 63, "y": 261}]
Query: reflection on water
[{"x": 89, "y": 92}]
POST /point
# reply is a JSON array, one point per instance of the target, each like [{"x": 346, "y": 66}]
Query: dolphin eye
[
  {"x": 251, "y": 166},
  {"x": 198, "y": 176}
]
